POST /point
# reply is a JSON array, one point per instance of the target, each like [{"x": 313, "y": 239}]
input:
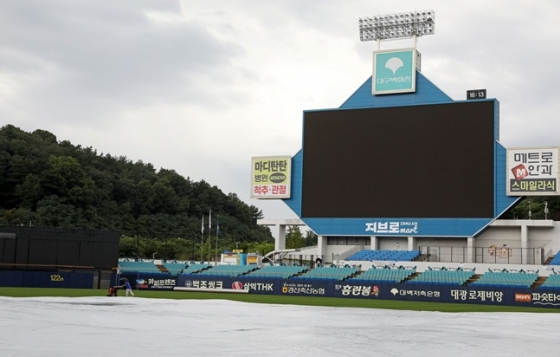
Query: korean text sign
[
  {"x": 532, "y": 171},
  {"x": 271, "y": 177}
]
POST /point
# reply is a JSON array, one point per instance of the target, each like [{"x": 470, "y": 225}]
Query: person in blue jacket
[{"x": 127, "y": 286}]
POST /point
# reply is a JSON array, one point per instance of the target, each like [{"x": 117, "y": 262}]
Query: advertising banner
[
  {"x": 306, "y": 288},
  {"x": 361, "y": 289},
  {"x": 147, "y": 281},
  {"x": 271, "y": 177},
  {"x": 254, "y": 285},
  {"x": 532, "y": 171}
]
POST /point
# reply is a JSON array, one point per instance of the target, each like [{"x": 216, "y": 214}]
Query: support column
[
  {"x": 469, "y": 257},
  {"x": 524, "y": 244},
  {"x": 374, "y": 244},
  {"x": 411, "y": 243},
  {"x": 280, "y": 242},
  {"x": 322, "y": 247}
]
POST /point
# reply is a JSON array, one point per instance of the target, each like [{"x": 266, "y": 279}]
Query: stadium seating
[
  {"x": 135, "y": 267},
  {"x": 174, "y": 268},
  {"x": 396, "y": 255},
  {"x": 277, "y": 271},
  {"x": 230, "y": 271},
  {"x": 443, "y": 276},
  {"x": 556, "y": 259},
  {"x": 328, "y": 273},
  {"x": 507, "y": 279},
  {"x": 195, "y": 268},
  {"x": 552, "y": 282},
  {"x": 384, "y": 274}
]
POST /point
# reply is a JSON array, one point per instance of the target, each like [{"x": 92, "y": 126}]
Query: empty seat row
[
  {"x": 329, "y": 273},
  {"x": 385, "y": 274},
  {"x": 368, "y": 255},
  {"x": 552, "y": 282},
  {"x": 277, "y": 271},
  {"x": 228, "y": 270},
  {"x": 138, "y": 267},
  {"x": 556, "y": 259},
  {"x": 449, "y": 277},
  {"x": 507, "y": 279}
]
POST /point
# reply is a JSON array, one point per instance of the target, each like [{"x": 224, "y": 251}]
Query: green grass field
[{"x": 276, "y": 299}]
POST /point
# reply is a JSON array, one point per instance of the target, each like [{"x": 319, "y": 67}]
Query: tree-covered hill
[{"x": 51, "y": 183}]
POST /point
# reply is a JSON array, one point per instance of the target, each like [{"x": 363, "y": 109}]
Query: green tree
[
  {"x": 310, "y": 238},
  {"x": 261, "y": 248},
  {"x": 128, "y": 247},
  {"x": 59, "y": 184},
  {"x": 53, "y": 212},
  {"x": 30, "y": 191},
  {"x": 66, "y": 178},
  {"x": 534, "y": 208},
  {"x": 294, "y": 238}
]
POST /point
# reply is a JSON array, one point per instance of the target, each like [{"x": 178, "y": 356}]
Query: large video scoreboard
[{"x": 419, "y": 161}]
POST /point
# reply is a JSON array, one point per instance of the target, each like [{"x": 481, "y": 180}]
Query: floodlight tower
[{"x": 397, "y": 26}]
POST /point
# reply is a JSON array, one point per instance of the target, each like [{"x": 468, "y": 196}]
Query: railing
[
  {"x": 304, "y": 260},
  {"x": 346, "y": 254},
  {"x": 488, "y": 255}
]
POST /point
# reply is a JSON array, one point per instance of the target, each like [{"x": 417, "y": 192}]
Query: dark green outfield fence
[
  {"x": 41, "y": 248},
  {"x": 56, "y": 257}
]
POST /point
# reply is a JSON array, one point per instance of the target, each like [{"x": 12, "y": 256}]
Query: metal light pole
[
  {"x": 209, "y": 230},
  {"x": 202, "y": 239},
  {"x": 545, "y": 210},
  {"x": 530, "y": 213},
  {"x": 217, "y": 234}
]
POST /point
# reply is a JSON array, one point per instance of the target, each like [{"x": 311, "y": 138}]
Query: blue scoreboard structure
[{"x": 408, "y": 164}]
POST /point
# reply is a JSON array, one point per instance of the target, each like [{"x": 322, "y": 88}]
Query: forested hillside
[{"x": 51, "y": 183}]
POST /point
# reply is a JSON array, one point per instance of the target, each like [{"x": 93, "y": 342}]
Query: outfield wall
[
  {"x": 295, "y": 287},
  {"x": 46, "y": 279},
  {"x": 383, "y": 291}
]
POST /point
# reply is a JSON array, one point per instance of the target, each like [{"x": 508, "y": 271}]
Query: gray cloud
[{"x": 200, "y": 87}]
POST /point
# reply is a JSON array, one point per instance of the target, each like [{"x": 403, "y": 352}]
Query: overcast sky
[{"x": 202, "y": 86}]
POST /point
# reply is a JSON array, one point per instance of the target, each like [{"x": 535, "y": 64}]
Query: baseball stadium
[{"x": 405, "y": 187}]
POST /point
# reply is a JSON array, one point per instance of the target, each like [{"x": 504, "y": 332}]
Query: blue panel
[
  {"x": 294, "y": 202},
  {"x": 496, "y": 120},
  {"x": 404, "y": 227},
  {"x": 502, "y": 202},
  {"x": 426, "y": 93}
]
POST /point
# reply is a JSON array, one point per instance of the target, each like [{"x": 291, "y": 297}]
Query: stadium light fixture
[{"x": 396, "y": 26}]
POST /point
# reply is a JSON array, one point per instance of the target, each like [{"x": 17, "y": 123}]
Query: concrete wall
[{"x": 530, "y": 242}]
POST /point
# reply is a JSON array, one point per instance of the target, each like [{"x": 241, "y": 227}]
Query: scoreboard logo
[{"x": 394, "y": 71}]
